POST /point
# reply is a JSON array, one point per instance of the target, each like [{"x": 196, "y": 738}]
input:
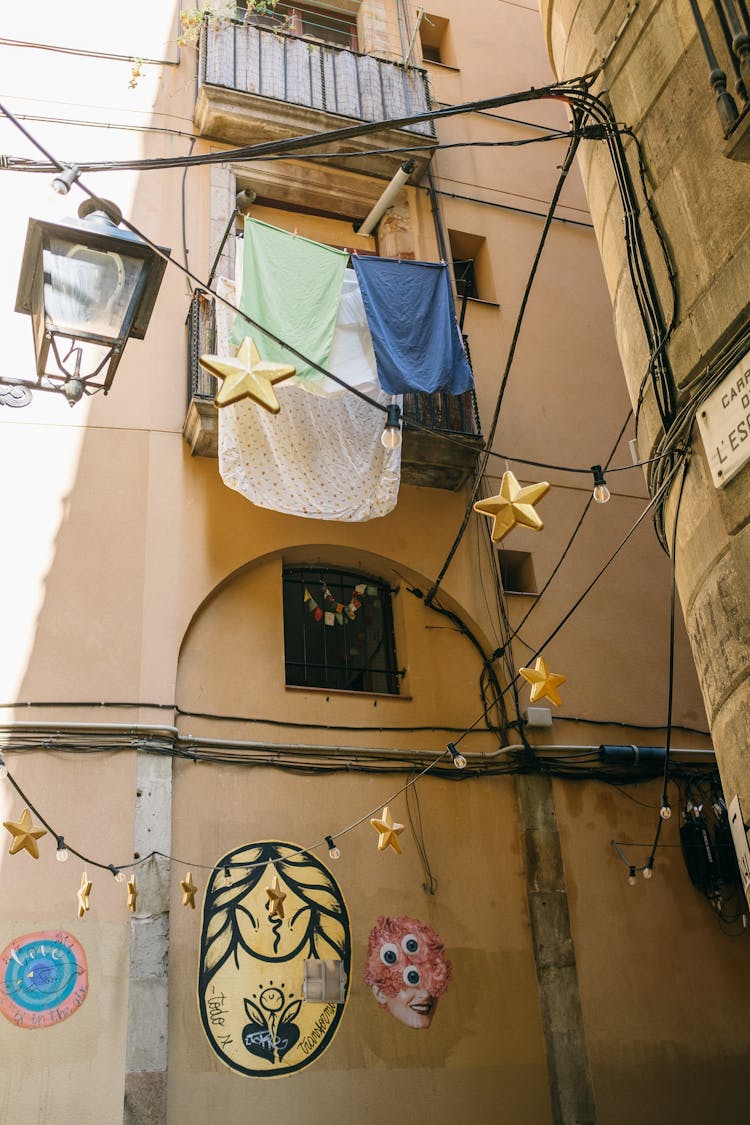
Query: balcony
[
  {"x": 256, "y": 85},
  {"x": 427, "y": 459},
  {"x": 725, "y": 40}
]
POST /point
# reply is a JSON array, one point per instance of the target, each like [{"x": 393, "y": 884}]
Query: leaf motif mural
[{"x": 251, "y": 968}]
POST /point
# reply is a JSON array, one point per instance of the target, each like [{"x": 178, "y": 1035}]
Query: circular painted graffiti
[
  {"x": 250, "y": 977},
  {"x": 43, "y": 978}
]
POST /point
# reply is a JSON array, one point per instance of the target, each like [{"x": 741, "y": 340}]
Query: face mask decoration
[
  {"x": 269, "y": 907},
  {"x": 407, "y": 969}
]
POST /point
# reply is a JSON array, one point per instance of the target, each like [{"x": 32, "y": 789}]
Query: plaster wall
[{"x": 139, "y": 587}]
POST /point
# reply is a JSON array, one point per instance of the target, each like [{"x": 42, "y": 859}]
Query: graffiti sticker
[
  {"x": 43, "y": 979},
  {"x": 407, "y": 969}
]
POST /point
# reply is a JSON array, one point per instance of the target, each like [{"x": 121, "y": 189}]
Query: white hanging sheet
[{"x": 321, "y": 456}]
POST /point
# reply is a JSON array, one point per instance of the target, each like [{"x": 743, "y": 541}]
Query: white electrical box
[{"x": 739, "y": 836}]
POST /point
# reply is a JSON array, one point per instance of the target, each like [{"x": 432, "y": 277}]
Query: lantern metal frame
[{"x": 97, "y": 228}]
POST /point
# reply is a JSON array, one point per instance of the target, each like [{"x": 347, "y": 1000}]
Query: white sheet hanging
[{"x": 321, "y": 456}]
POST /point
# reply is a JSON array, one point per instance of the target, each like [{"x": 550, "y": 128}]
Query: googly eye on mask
[{"x": 389, "y": 953}]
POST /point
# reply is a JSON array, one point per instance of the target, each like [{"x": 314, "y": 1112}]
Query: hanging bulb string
[
  {"x": 655, "y": 499},
  {"x": 51, "y": 830},
  {"x": 192, "y": 864},
  {"x": 569, "y": 544}
]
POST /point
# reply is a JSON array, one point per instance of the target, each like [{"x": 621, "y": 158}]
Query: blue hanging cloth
[{"x": 412, "y": 322}]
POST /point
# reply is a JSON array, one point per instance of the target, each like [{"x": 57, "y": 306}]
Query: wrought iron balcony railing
[
  {"x": 305, "y": 72},
  {"x": 427, "y": 458}
]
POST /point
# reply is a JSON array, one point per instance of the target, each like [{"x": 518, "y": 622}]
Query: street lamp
[{"x": 88, "y": 287}]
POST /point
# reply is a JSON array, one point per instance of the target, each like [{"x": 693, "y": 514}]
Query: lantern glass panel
[{"x": 89, "y": 292}]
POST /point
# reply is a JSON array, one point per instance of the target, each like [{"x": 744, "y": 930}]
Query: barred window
[{"x": 338, "y": 631}]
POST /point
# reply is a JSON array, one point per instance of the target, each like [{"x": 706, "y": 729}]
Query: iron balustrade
[
  {"x": 457, "y": 414},
  {"x": 291, "y": 68},
  {"x": 734, "y": 47}
]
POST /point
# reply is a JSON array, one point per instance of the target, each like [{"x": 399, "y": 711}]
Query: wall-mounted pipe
[{"x": 394, "y": 187}]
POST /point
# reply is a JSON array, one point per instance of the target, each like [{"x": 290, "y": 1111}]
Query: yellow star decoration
[
  {"x": 544, "y": 684},
  {"x": 513, "y": 505},
  {"x": 246, "y": 376},
  {"x": 132, "y": 894},
  {"x": 276, "y": 896},
  {"x": 83, "y": 895},
  {"x": 388, "y": 831},
  {"x": 188, "y": 891},
  {"x": 24, "y": 836}
]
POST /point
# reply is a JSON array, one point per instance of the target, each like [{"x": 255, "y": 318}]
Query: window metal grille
[{"x": 332, "y": 642}]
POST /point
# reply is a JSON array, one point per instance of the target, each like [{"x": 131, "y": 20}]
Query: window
[
  {"x": 329, "y": 25},
  {"x": 471, "y": 265},
  {"x": 435, "y": 39},
  {"x": 338, "y": 631},
  {"x": 517, "y": 572}
]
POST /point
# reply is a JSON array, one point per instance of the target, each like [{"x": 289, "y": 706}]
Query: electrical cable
[
  {"x": 482, "y": 464},
  {"x": 294, "y": 351}
]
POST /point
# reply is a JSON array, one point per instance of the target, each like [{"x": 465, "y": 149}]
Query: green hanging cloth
[{"x": 291, "y": 286}]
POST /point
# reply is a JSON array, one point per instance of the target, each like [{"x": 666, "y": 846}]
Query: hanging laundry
[
  {"x": 412, "y": 321},
  {"x": 320, "y": 457},
  {"x": 352, "y": 357},
  {"x": 292, "y": 287}
]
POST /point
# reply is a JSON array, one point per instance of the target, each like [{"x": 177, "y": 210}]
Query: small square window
[
  {"x": 338, "y": 631},
  {"x": 517, "y": 572},
  {"x": 471, "y": 265},
  {"x": 435, "y": 39}
]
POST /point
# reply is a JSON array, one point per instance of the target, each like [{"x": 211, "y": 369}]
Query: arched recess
[{"x": 231, "y": 672}]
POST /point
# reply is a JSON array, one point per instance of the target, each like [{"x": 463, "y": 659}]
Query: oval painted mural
[{"x": 251, "y": 971}]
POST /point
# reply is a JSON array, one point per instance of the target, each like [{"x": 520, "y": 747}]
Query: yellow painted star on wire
[
  {"x": 24, "y": 836},
  {"x": 132, "y": 894},
  {"x": 544, "y": 684},
  {"x": 247, "y": 376},
  {"x": 83, "y": 895},
  {"x": 276, "y": 898},
  {"x": 513, "y": 505},
  {"x": 388, "y": 831},
  {"x": 188, "y": 891}
]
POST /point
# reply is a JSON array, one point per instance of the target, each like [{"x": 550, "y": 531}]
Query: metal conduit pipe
[
  {"x": 186, "y": 742},
  {"x": 391, "y": 191}
]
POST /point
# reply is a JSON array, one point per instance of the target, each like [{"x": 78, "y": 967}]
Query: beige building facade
[{"x": 152, "y": 711}]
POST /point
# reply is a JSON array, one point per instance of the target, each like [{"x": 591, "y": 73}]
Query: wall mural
[
  {"x": 43, "y": 979},
  {"x": 268, "y": 907},
  {"x": 407, "y": 969}
]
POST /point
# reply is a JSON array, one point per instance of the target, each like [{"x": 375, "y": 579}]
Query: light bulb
[
  {"x": 62, "y": 852},
  {"x": 458, "y": 759},
  {"x": 631, "y": 877},
  {"x": 391, "y": 435},
  {"x": 333, "y": 851},
  {"x": 601, "y": 492},
  {"x": 67, "y": 176},
  {"x": 665, "y": 812},
  {"x": 3, "y": 767},
  {"x": 120, "y": 876},
  {"x": 648, "y": 872}
]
